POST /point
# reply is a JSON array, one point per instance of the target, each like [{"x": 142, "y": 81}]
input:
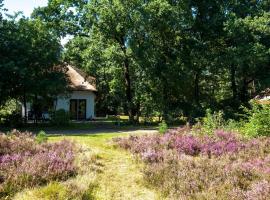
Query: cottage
[
  {"x": 263, "y": 97},
  {"x": 80, "y": 103}
]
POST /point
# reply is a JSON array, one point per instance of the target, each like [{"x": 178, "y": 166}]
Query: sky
[{"x": 27, "y": 6}]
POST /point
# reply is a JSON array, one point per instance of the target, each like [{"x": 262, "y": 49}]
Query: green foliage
[
  {"x": 29, "y": 53},
  {"x": 7, "y": 109},
  {"x": 213, "y": 121},
  {"x": 258, "y": 123},
  {"x": 10, "y": 114},
  {"x": 53, "y": 190},
  {"x": 234, "y": 125},
  {"x": 60, "y": 118},
  {"x": 162, "y": 127},
  {"x": 14, "y": 120},
  {"x": 167, "y": 57},
  {"x": 41, "y": 137}
]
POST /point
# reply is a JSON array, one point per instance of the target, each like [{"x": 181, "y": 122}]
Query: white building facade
[{"x": 80, "y": 102}]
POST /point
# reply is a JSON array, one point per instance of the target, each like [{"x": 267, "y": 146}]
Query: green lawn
[{"x": 113, "y": 173}]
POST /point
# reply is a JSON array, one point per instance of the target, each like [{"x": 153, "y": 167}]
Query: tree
[
  {"x": 248, "y": 52},
  {"x": 110, "y": 25},
  {"x": 166, "y": 57},
  {"x": 28, "y": 59}
]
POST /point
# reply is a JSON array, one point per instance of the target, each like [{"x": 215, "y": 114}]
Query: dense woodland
[{"x": 150, "y": 58}]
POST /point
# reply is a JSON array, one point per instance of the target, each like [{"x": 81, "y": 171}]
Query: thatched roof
[{"x": 79, "y": 81}]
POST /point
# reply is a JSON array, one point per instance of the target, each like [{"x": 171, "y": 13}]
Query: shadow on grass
[{"x": 82, "y": 128}]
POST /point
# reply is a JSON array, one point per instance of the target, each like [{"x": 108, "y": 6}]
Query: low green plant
[
  {"x": 258, "y": 123},
  {"x": 213, "y": 121},
  {"x": 162, "y": 127},
  {"x": 41, "y": 137},
  {"x": 234, "y": 125},
  {"x": 53, "y": 190}
]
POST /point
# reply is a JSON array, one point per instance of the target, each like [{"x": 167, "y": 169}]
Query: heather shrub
[
  {"x": 223, "y": 165},
  {"x": 16, "y": 142},
  {"x": 79, "y": 187},
  {"x": 25, "y": 163}
]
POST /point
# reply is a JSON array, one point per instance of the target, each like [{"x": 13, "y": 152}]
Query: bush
[
  {"x": 258, "y": 123},
  {"x": 60, "y": 117},
  {"x": 25, "y": 163},
  {"x": 41, "y": 137},
  {"x": 7, "y": 109},
  {"x": 213, "y": 121},
  {"x": 223, "y": 165},
  {"x": 162, "y": 127},
  {"x": 10, "y": 114}
]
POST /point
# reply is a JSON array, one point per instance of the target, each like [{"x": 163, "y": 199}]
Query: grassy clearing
[{"x": 112, "y": 174}]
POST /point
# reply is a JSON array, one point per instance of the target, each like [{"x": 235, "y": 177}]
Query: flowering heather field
[
  {"x": 190, "y": 166},
  {"x": 25, "y": 163}
]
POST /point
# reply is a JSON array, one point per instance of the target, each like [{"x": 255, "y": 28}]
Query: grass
[{"x": 114, "y": 174}]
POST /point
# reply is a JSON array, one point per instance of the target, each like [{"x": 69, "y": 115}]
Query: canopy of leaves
[
  {"x": 29, "y": 53},
  {"x": 156, "y": 57}
]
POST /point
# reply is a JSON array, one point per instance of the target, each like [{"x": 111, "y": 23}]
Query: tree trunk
[
  {"x": 128, "y": 90},
  {"x": 233, "y": 82},
  {"x": 165, "y": 99},
  {"x": 243, "y": 93},
  {"x": 25, "y": 108},
  {"x": 35, "y": 106},
  {"x": 196, "y": 89},
  {"x": 137, "y": 112}
]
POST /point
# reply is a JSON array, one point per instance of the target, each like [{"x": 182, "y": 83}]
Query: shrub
[
  {"x": 16, "y": 142},
  {"x": 8, "y": 109},
  {"x": 162, "y": 127},
  {"x": 10, "y": 114},
  {"x": 41, "y": 137},
  {"x": 222, "y": 165},
  {"x": 258, "y": 123},
  {"x": 60, "y": 117},
  {"x": 213, "y": 121},
  {"x": 25, "y": 163}
]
